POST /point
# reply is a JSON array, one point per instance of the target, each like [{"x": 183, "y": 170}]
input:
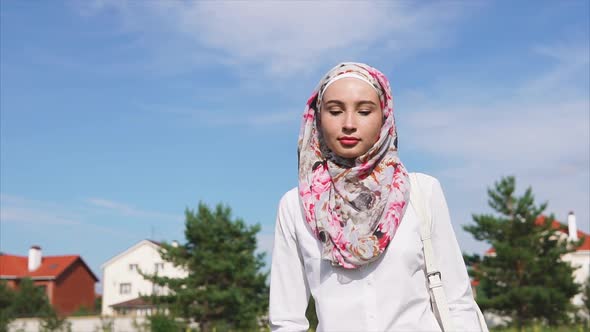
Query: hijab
[{"x": 353, "y": 206}]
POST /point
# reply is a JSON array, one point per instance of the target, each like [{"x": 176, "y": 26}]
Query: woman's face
[{"x": 350, "y": 117}]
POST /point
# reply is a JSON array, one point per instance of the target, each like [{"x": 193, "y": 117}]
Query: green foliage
[
  {"x": 84, "y": 311},
  {"x": 541, "y": 328},
  {"x": 30, "y": 300},
  {"x": 311, "y": 315},
  {"x": 586, "y": 296},
  {"x": 224, "y": 286},
  {"x": 163, "y": 323},
  {"x": 51, "y": 322},
  {"x": 526, "y": 279},
  {"x": 27, "y": 301},
  {"x": 107, "y": 324},
  {"x": 586, "y": 300},
  {"x": 98, "y": 304},
  {"x": 7, "y": 296}
]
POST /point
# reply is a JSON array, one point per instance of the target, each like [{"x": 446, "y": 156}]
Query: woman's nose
[{"x": 349, "y": 122}]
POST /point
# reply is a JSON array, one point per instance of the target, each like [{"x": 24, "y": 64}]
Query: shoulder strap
[{"x": 437, "y": 293}]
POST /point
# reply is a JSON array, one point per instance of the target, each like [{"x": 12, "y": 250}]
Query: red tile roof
[
  {"x": 564, "y": 229},
  {"x": 135, "y": 303},
  {"x": 559, "y": 227},
  {"x": 12, "y": 266}
]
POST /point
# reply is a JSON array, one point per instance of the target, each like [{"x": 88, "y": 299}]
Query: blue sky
[{"x": 118, "y": 115}]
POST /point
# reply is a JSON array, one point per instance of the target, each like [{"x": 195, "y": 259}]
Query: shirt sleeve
[
  {"x": 289, "y": 292},
  {"x": 449, "y": 259}
]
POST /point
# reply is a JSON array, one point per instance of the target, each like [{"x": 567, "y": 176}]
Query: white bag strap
[{"x": 437, "y": 293}]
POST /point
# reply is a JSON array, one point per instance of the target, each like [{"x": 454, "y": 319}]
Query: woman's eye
[
  {"x": 334, "y": 111},
  {"x": 364, "y": 112}
]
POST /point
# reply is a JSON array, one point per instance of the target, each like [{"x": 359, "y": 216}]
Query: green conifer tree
[
  {"x": 225, "y": 286},
  {"x": 586, "y": 300},
  {"x": 7, "y": 296},
  {"x": 526, "y": 278},
  {"x": 30, "y": 300}
]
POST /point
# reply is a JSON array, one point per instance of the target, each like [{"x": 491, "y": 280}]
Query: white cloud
[
  {"x": 130, "y": 211},
  {"x": 225, "y": 118},
  {"x": 32, "y": 216},
  {"x": 521, "y": 132},
  {"x": 571, "y": 60},
  {"x": 35, "y": 213},
  {"x": 20, "y": 210},
  {"x": 540, "y": 133},
  {"x": 283, "y": 38}
]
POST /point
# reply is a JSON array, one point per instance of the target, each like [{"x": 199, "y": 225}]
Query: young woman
[{"x": 347, "y": 234}]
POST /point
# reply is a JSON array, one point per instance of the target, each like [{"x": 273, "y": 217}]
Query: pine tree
[
  {"x": 30, "y": 300},
  {"x": 586, "y": 298},
  {"x": 225, "y": 286},
  {"x": 526, "y": 278},
  {"x": 7, "y": 296}
]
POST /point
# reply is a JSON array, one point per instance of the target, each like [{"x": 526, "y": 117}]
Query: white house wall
[
  {"x": 117, "y": 271},
  {"x": 580, "y": 260}
]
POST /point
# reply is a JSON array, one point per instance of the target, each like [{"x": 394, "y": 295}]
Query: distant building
[
  {"x": 123, "y": 285},
  {"x": 580, "y": 258},
  {"x": 67, "y": 280}
]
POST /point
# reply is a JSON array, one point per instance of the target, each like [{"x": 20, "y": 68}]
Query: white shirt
[{"x": 389, "y": 294}]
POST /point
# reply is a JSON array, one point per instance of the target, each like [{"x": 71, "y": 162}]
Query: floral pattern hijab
[{"x": 353, "y": 206}]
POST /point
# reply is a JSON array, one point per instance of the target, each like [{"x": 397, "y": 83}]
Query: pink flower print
[
  {"x": 340, "y": 259},
  {"x": 364, "y": 167},
  {"x": 321, "y": 181},
  {"x": 384, "y": 241},
  {"x": 304, "y": 193},
  {"x": 309, "y": 115},
  {"x": 311, "y": 211},
  {"x": 339, "y": 240},
  {"x": 385, "y": 227}
]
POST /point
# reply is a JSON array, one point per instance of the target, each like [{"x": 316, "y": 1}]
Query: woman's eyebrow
[
  {"x": 334, "y": 101},
  {"x": 341, "y": 103},
  {"x": 362, "y": 102}
]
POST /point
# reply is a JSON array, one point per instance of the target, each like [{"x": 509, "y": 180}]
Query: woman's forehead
[{"x": 350, "y": 87}]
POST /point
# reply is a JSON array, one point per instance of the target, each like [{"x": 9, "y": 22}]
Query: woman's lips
[{"x": 348, "y": 140}]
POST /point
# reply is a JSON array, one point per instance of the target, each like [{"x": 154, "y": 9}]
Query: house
[
  {"x": 123, "y": 285},
  {"x": 67, "y": 280},
  {"x": 580, "y": 258}
]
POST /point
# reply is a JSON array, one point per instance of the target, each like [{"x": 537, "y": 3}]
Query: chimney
[
  {"x": 34, "y": 258},
  {"x": 572, "y": 227}
]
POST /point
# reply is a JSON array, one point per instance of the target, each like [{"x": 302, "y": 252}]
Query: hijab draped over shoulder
[{"x": 353, "y": 206}]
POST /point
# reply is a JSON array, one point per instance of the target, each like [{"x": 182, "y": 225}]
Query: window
[
  {"x": 159, "y": 267},
  {"x": 125, "y": 288},
  {"x": 133, "y": 267}
]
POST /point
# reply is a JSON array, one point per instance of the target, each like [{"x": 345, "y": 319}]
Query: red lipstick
[{"x": 348, "y": 140}]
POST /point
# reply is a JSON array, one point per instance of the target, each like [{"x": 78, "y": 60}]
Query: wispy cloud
[
  {"x": 33, "y": 216},
  {"x": 29, "y": 212},
  {"x": 130, "y": 211},
  {"x": 540, "y": 133},
  {"x": 281, "y": 38},
  {"x": 571, "y": 60},
  {"x": 20, "y": 210},
  {"x": 223, "y": 118}
]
